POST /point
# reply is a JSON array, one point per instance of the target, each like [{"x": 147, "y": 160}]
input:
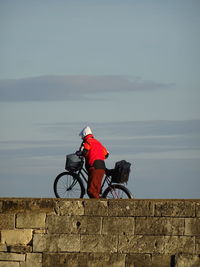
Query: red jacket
[{"x": 93, "y": 150}]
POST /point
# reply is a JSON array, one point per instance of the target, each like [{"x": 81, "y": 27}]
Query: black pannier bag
[
  {"x": 73, "y": 163},
  {"x": 120, "y": 173}
]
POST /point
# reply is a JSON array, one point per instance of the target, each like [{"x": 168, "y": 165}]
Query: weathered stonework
[
  {"x": 197, "y": 209},
  {"x": 7, "y": 221},
  {"x": 56, "y": 243},
  {"x": 16, "y": 237},
  {"x": 29, "y": 220},
  {"x": 185, "y": 260},
  {"x": 99, "y": 233},
  {"x": 113, "y": 225},
  {"x": 99, "y": 243},
  {"x": 70, "y": 207},
  {"x": 33, "y": 260},
  {"x": 143, "y": 260},
  {"x": 73, "y": 224},
  {"x": 192, "y": 226},
  {"x": 94, "y": 207},
  {"x": 159, "y": 226},
  {"x": 84, "y": 259},
  {"x": 10, "y": 264},
  {"x": 197, "y": 241},
  {"x": 175, "y": 208},
  {"x": 134, "y": 208}
]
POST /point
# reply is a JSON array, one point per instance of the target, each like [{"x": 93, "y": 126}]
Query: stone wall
[{"x": 114, "y": 233}]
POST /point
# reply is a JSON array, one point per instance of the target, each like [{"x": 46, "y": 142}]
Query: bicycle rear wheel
[
  {"x": 117, "y": 191},
  {"x": 68, "y": 185}
]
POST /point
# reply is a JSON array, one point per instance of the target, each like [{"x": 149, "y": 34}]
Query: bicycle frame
[{"x": 83, "y": 173}]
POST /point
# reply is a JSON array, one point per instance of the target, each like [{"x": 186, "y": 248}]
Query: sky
[{"x": 129, "y": 69}]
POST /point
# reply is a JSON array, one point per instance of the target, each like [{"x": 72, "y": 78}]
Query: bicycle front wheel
[
  {"x": 68, "y": 185},
  {"x": 117, "y": 191}
]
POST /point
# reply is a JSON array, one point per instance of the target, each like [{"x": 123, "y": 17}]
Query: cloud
[
  {"x": 131, "y": 129},
  {"x": 71, "y": 87},
  {"x": 148, "y": 139}
]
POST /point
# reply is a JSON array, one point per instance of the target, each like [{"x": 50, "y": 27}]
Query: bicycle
[{"x": 70, "y": 184}]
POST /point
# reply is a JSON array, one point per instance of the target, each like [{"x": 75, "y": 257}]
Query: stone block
[
  {"x": 130, "y": 207},
  {"x": 67, "y": 243},
  {"x": 7, "y": 221},
  {"x": 14, "y": 205},
  {"x": 106, "y": 259},
  {"x": 161, "y": 260},
  {"x": 9, "y": 264},
  {"x": 187, "y": 260},
  {"x": 43, "y": 205},
  {"x": 175, "y": 208},
  {"x": 74, "y": 224},
  {"x": 197, "y": 241},
  {"x": 192, "y": 226},
  {"x": 139, "y": 260},
  {"x": 179, "y": 244},
  {"x": 65, "y": 259},
  {"x": 40, "y": 205},
  {"x": 156, "y": 244},
  {"x": 11, "y": 256},
  {"x": 16, "y": 237},
  {"x": 198, "y": 209},
  {"x": 1, "y": 206},
  {"x": 96, "y": 207},
  {"x": 99, "y": 243},
  {"x": 34, "y": 260},
  {"x": 56, "y": 243},
  {"x": 29, "y": 220},
  {"x": 118, "y": 225},
  {"x": 84, "y": 259},
  {"x": 141, "y": 244},
  {"x": 70, "y": 207},
  {"x": 41, "y": 242},
  {"x": 159, "y": 226}
]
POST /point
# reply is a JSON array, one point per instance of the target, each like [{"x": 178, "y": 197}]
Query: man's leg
[{"x": 94, "y": 182}]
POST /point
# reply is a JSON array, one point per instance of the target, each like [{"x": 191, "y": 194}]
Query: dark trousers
[{"x": 94, "y": 182}]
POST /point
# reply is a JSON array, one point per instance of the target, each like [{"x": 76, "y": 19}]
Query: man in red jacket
[{"x": 95, "y": 154}]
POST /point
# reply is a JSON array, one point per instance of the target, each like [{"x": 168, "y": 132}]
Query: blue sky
[{"x": 129, "y": 69}]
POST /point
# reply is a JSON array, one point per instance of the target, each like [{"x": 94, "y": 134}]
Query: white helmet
[{"x": 85, "y": 132}]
